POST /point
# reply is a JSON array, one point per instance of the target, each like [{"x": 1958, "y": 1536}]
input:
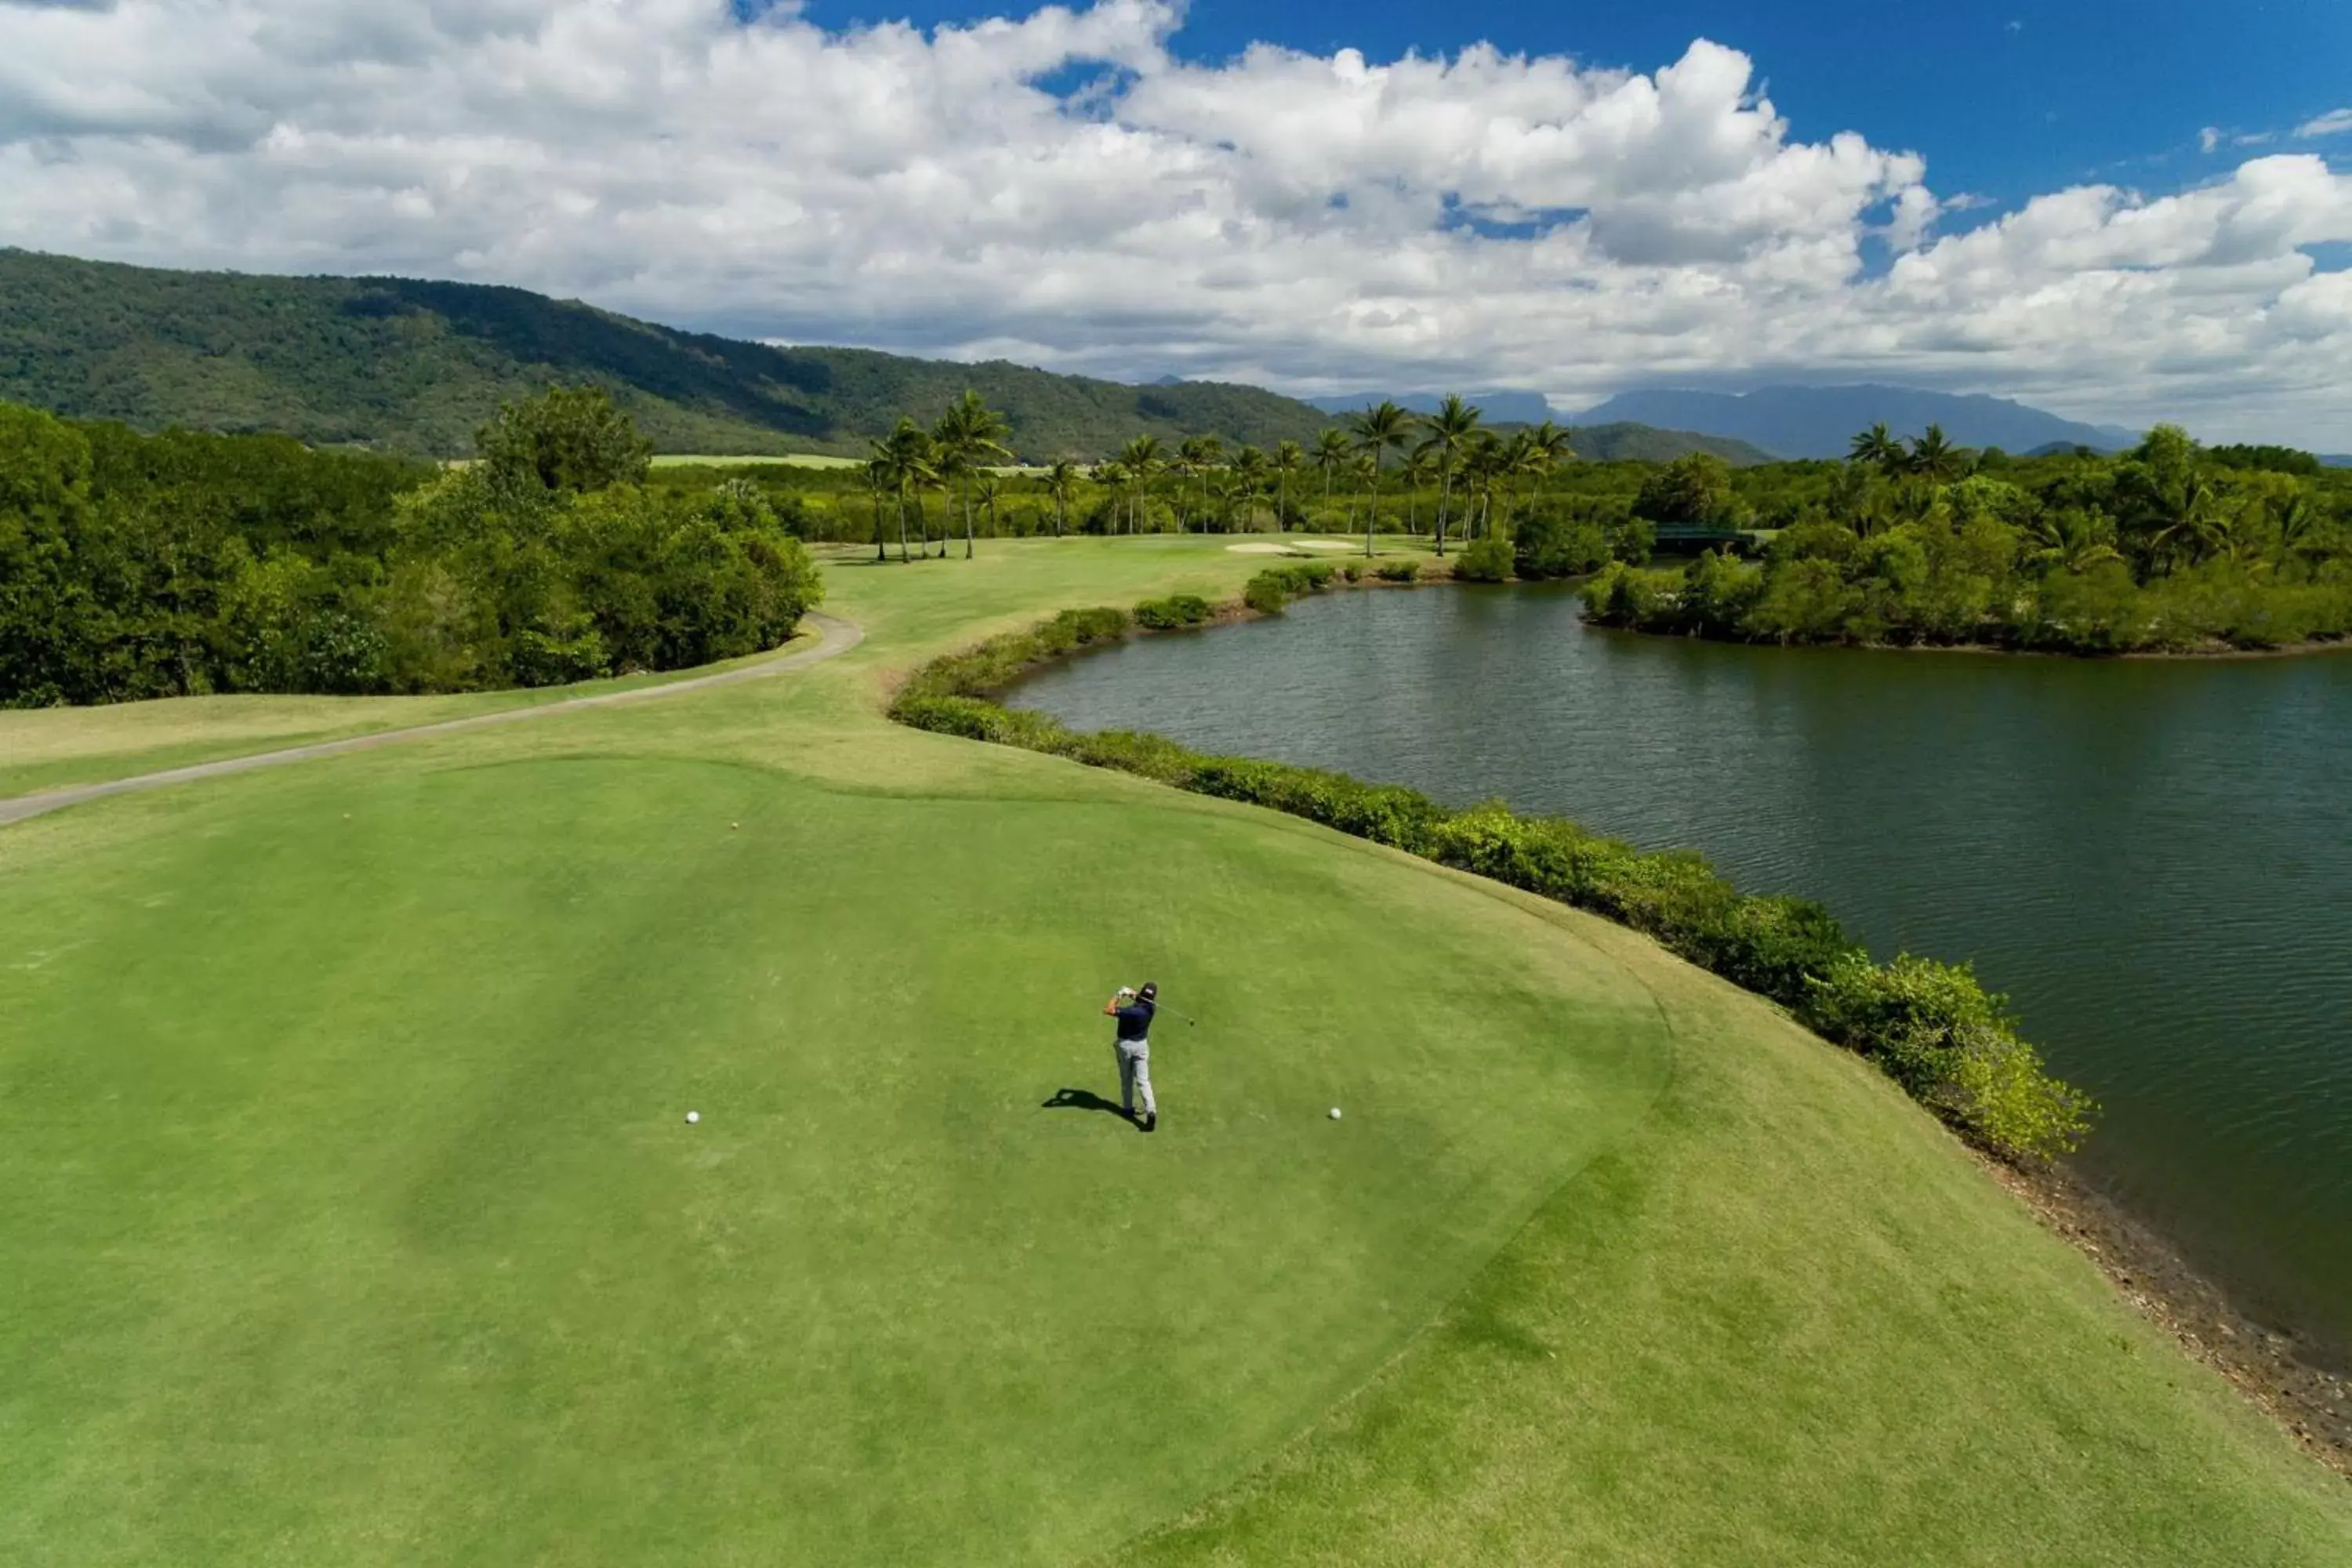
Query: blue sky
[{"x": 2004, "y": 100}]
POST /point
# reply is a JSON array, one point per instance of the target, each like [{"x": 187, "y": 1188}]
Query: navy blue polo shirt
[{"x": 1135, "y": 1020}]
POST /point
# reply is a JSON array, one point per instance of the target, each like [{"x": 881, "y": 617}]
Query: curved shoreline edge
[{"x": 2302, "y": 1387}]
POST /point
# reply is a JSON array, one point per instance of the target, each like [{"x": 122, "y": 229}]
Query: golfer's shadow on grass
[{"x": 1085, "y": 1099}]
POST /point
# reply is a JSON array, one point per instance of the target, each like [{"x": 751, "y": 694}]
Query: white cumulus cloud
[{"x": 1062, "y": 188}]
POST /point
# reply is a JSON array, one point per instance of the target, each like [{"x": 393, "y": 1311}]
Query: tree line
[
  {"x": 138, "y": 566},
  {"x": 1445, "y": 460},
  {"x": 2166, "y": 546}
]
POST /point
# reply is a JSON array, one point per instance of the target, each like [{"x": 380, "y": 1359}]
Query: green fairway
[
  {"x": 50, "y": 747},
  {"x": 350, "y": 1215}
]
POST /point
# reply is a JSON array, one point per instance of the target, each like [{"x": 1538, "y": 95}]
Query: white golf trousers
[{"x": 1135, "y": 1075}]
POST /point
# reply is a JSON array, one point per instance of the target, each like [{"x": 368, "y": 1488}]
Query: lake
[{"x": 2153, "y": 859}]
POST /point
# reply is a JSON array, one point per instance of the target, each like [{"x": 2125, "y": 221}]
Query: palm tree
[
  {"x": 1449, "y": 431},
  {"x": 2071, "y": 539},
  {"x": 1877, "y": 448},
  {"x": 907, "y": 458},
  {"x": 968, "y": 437},
  {"x": 1113, "y": 478},
  {"x": 1523, "y": 457},
  {"x": 1144, "y": 460},
  {"x": 1360, "y": 477},
  {"x": 1249, "y": 469},
  {"x": 985, "y": 494},
  {"x": 1287, "y": 460},
  {"x": 1556, "y": 447},
  {"x": 935, "y": 479},
  {"x": 1934, "y": 457},
  {"x": 1482, "y": 467},
  {"x": 1376, "y": 430},
  {"x": 2300, "y": 527},
  {"x": 1330, "y": 455},
  {"x": 878, "y": 484},
  {"x": 1197, "y": 455},
  {"x": 1420, "y": 468},
  {"x": 2197, "y": 524},
  {"x": 1061, "y": 484}
]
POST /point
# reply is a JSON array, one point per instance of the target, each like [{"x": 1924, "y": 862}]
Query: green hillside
[
  {"x": 1621, "y": 443},
  {"x": 419, "y": 366}
]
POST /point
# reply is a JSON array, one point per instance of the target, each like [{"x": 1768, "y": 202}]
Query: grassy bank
[
  {"x": 352, "y": 1215},
  {"x": 1929, "y": 1024}
]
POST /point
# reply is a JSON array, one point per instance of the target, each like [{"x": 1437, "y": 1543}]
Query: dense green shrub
[
  {"x": 1271, "y": 589},
  {"x": 1386, "y": 813},
  {"x": 1486, "y": 560},
  {"x": 975, "y": 672},
  {"x": 1176, "y": 610},
  {"x": 1930, "y": 1025},
  {"x": 1398, "y": 572},
  {"x": 1550, "y": 543},
  {"x": 1693, "y": 489},
  {"x": 1942, "y": 1036}
]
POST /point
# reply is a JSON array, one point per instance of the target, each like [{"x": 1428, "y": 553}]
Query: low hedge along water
[{"x": 1929, "y": 1026}]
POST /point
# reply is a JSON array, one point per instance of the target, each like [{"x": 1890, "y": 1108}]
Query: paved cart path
[{"x": 835, "y": 636}]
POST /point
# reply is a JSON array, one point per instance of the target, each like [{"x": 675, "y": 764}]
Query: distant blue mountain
[
  {"x": 1500, "y": 408},
  {"x": 1821, "y": 421}
]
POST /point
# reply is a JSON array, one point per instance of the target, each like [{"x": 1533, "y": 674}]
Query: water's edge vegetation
[{"x": 1929, "y": 1024}]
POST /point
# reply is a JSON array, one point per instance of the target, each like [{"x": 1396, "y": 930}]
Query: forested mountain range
[
  {"x": 1820, "y": 421},
  {"x": 417, "y": 366}
]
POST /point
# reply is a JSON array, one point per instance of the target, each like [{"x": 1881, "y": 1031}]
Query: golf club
[{"x": 1160, "y": 1003}]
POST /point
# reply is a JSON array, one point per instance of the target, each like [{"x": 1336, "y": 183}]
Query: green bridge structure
[{"x": 1692, "y": 538}]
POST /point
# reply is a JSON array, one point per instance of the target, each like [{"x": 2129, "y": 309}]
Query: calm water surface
[{"x": 2154, "y": 859}]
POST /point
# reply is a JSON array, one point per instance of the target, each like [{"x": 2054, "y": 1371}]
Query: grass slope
[{"x": 350, "y": 1215}]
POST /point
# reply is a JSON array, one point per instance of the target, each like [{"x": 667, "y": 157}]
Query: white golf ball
[
  {"x": 697, "y": 1115},
  {"x": 1335, "y": 1113}
]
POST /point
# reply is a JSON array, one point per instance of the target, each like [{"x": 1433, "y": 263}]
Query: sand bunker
[{"x": 1291, "y": 546}]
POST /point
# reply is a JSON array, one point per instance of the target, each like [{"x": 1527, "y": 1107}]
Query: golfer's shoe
[{"x": 1151, "y": 1121}]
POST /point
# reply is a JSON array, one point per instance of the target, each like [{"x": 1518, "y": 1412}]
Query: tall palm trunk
[
  {"x": 1373, "y": 505},
  {"x": 1444, "y": 500},
  {"x": 902, "y": 525}
]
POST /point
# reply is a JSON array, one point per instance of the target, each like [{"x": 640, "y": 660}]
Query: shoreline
[
  {"x": 2218, "y": 653},
  {"x": 2308, "y": 1402},
  {"x": 1439, "y": 570}
]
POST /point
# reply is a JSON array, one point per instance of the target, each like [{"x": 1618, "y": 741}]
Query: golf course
[{"x": 350, "y": 1212}]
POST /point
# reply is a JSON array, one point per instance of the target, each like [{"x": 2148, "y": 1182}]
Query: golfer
[{"x": 1133, "y": 1009}]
